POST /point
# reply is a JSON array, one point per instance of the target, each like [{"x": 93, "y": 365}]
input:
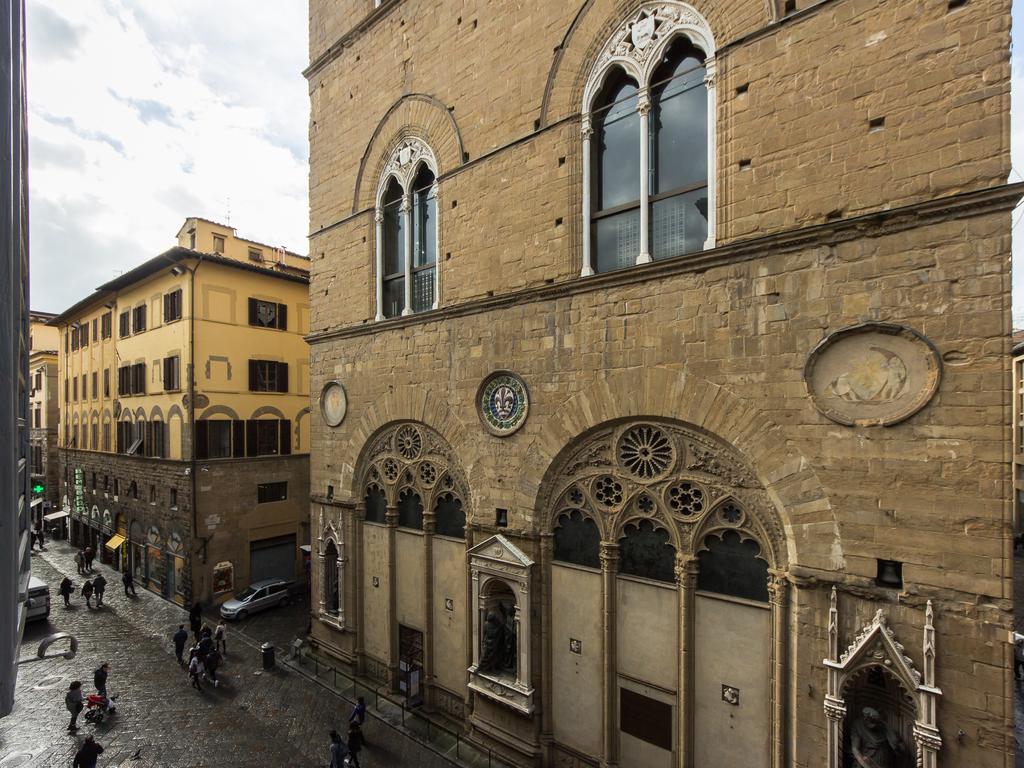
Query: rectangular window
[
  {"x": 117, "y": 487},
  {"x": 74, "y": 339},
  {"x": 172, "y": 306},
  {"x": 95, "y": 332},
  {"x": 74, "y": 389},
  {"x": 124, "y": 380},
  {"x": 67, "y": 337},
  {"x": 83, "y": 330},
  {"x": 124, "y": 324},
  {"x": 219, "y": 439},
  {"x": 37, "y": 417},
  {"x": 645, "y": 718},
  {"x": 105, "y": 323},
  {"x": 139, "y": 379},
  {"x": 106, "y": 382},
  {"x": 268, "y": 376},
  {"x": 39, "y": 380},
  {"x": 85, "y": 387},
  {"x": 94, "y": 431},
  {"x": 268, "y": 314},
  {"x": 174, "y": 498},
  {"x": 152, "y": 494},
  {"x": 255, "y": 254},
  {"x": 66, "y": 398},
  {"x": 106, "y": 437},
  {"x": 267, "y": 493},
  {"x": 95, "y": 387},
  {"x": 139, "y": 319},
  {"x": 218, "y": 243},
  {"x": 172, "y": 373},
  {"x": 156, "y": 439},
  {"x": 133, "y": 490}
]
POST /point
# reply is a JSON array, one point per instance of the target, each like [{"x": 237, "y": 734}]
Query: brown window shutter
[
  {"x": 282, "y": 377},
  {"x": 252, "y": 311},
  {"x": 282, "y": 316},
  {"x": 238, "y": 438},
  {"x": 253, "y": 374},
  {"x": 251, "y": 438},
  {"x": 201, "y": 445},
  {"x": 286, "y": 436}
]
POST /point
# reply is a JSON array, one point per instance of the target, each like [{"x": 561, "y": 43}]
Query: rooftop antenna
[{"x": 229, "y": 210}]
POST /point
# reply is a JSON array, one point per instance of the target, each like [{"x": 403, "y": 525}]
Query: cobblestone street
[{"x": 273, "y": 719}]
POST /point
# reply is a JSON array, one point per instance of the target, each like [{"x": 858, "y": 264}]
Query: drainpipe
[{"x": 192, "y": 416}]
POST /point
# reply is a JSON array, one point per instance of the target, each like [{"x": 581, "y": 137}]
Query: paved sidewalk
[{"x": 275, "y": 719}]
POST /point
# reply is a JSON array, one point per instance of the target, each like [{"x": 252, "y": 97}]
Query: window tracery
[
  {"x": 407, "y": 231},
  {"x": 647, "y": 140}
]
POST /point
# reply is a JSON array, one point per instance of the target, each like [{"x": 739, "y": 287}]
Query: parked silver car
[
  {"x": 256, "y": 597},
  {"x": 38, "y": 603}
]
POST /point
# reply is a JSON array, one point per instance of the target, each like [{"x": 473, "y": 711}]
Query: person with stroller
[
  {"x": 74, "y": 702},
  {"x": 99, "y": 679}
]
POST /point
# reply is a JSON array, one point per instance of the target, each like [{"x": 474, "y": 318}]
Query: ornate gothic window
[
  {"x": 646, "y": 551},
  {"x": 410, "y": 510},
  {"x": 732, "y": 565},
  {"x": 376, "y": 505},
  {"x": 648, "y": 128},
  {"x": 577, "y": 540},
  {"x": 330, "y": 589},
  {"x": 407, "y": 232},
  {"x": 449, "y": 516}
]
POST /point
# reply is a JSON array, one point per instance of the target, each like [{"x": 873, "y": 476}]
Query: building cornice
[{"x": 980, "y": 202}]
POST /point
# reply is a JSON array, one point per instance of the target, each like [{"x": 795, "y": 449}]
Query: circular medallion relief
[
  {"x": 333, "y": 403},
  {"x": 503, "y": 403},
  {"x": 873, "y": 374}
]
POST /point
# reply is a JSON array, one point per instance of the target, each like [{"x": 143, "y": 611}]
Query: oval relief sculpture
[
  {"x": 503, "y": 403},
  {"x": 872, "y": 374},
  {"x": 333, "y": 403}
]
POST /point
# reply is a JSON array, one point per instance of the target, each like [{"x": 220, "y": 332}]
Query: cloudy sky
[{"x": 143, "y": 113}]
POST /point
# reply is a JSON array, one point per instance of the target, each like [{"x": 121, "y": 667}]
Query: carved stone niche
[{"x": 501, "y": 670}]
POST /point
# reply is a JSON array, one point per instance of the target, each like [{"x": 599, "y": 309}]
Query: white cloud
[{"x": 144, "y": 113}]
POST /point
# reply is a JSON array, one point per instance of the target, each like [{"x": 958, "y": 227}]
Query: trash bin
[{"x": 268, "y": 655}]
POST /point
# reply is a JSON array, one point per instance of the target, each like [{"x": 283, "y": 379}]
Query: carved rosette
[{"x": 404, "y": 162}]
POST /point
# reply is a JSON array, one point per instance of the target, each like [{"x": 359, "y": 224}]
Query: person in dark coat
[
  {"x": 73, "y": 701},
  {"x": 87, "y": 593},
  {"x": 89, "y": 555},
  {"x": 355, "y": 743},
  {"x": 195, "y": 619},
  {"x": 212, "y": 661},
  {"x": 66, "y": 589},
  {"x": 180, "y": 638},
  {"x": 88, "y": 754},
  {"x": 338, "y": 751},
  {"x": 99, "y": 585},
  {"x": 129, "y": 583},
  {"x": 99, "y": 678}
]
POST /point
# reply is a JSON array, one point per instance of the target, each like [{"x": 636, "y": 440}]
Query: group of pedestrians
[
  {"x": 84, "y": 558},
  {"x": 74, "y": 700},
  {"x": 95, "y": 587},
  {"x": 207, "y": 652},
  {"x": 346, "y": 752}
]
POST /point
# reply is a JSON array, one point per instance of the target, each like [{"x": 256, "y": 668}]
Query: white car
[
  {"x": 38, "y": 603},
  {"x": 256, "y": 597}
]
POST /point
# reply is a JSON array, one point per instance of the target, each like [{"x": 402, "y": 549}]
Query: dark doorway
[{"x": 410, "y": 664}]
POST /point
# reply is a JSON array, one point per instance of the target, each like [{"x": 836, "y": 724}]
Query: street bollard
[{"x": 268, "y": 655}]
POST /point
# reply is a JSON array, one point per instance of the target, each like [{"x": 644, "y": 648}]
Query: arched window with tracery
[
  {"x": 407, "y": 232},
  {"x": 648, "y": 141},
  {"x": 732, "y": 565},
  {"x": 330, "y": 576},
  {"x": 376, "y": 505},
  {"x": 646, "y": 551},
  {"x": 577, "y": 540}
]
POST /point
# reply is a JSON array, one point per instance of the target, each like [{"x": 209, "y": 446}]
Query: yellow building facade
[{"x": 184, "y": 417}]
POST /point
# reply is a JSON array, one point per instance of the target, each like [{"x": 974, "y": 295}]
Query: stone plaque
[
  {"x": 333, "y": 403},
  {"x": 872, "y": 374},
  {"x": 503, "y": 403}
]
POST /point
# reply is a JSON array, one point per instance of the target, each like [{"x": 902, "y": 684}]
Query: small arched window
[
  {"x": 331, "y": 577},
  {"x": 407, "y": 232},
  {"x": 732, "y": 566},
  {"x": 648, "y": 141},
  {"x": 376, "y": 505},
  {"x": 577, "y": 540},
  {"x": 647, "y": 552},
  {"x": 410, "y": 510},
  {"x": 450, "y": 517}
]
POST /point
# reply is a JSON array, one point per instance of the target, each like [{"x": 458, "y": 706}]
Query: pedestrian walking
[
  {"x": 99, "y": 585},
  {"x": 195, "y": 669},
  {"x": 180, "y": 638},
  {"x": 37, "y": 537},
  {"x": 358, "y": 715},
  {"x": 87, "y": 755},
  {"x": 195, "y": 619},
  {"x": 89, "y": 555},
  {"x": 80, "y": 561},
  {"x": 355, "y": 743},
  {"x": 66, "y": 589},
  {"x": 129, "y": 582},
  {"x": 220, "y": 635},
  {"x": 338, "y": 751},
  {"x": 99, "y": 679},
  {"x": 73, "y": 701},
  {"x": 87, "y": 593},
  {"x": 211, "y": 663}
]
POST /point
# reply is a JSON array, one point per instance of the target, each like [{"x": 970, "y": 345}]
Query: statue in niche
[
  {"x": 873, "y": 743},
  {"x": 498, "y": 655}
]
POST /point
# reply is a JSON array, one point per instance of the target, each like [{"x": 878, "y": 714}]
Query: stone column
[
  {"x": 406, "y": 211},
  {"x": 429, "y": 527},
  {"x": 435, "y": 191},
  {"x": 643, "y": 108},
  {"x": 547, "y": 546},
  {"x": 359, "y": 585},
  {"x": 709, "y": 81},
  {"x": 609, "y": 573},
  {"x": 323, "y": 580},
  {"x": 686, "y": 581},
  {"x": 378, "y": 217},
  {"x": 778, "y": 590},
  {"x": 586, "y": 132},
  {"x": 391, "y": 518},
  {"x": 341, "y": 584}
]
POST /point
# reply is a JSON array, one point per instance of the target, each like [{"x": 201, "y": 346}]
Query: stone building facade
[
  {"x": 680, "y": 450},
  {"x": 43, "y": 412}
]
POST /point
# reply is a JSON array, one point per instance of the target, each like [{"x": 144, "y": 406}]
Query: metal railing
[{"x": 394, "y": 713}]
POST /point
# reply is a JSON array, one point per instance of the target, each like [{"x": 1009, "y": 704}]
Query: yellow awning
[{"x": 115, "y": 541}]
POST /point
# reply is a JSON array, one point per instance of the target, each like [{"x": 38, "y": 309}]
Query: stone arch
[
  {"x": 297, "y": 429},
  {"x": 404, "y": 403},
  {"x": 597, "y": 20},
  {"x": 106, "y": 416},
  {"x": 156, "y": 413},
  {"x": 140, "y": 414},
  {"x": 175, "y": 412},
  {"x": 416, "y": 115},
  {"x": 267, "y": 410},
  {"x": 213, "y": 410},
  {"x": 797, "y": 496}
]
